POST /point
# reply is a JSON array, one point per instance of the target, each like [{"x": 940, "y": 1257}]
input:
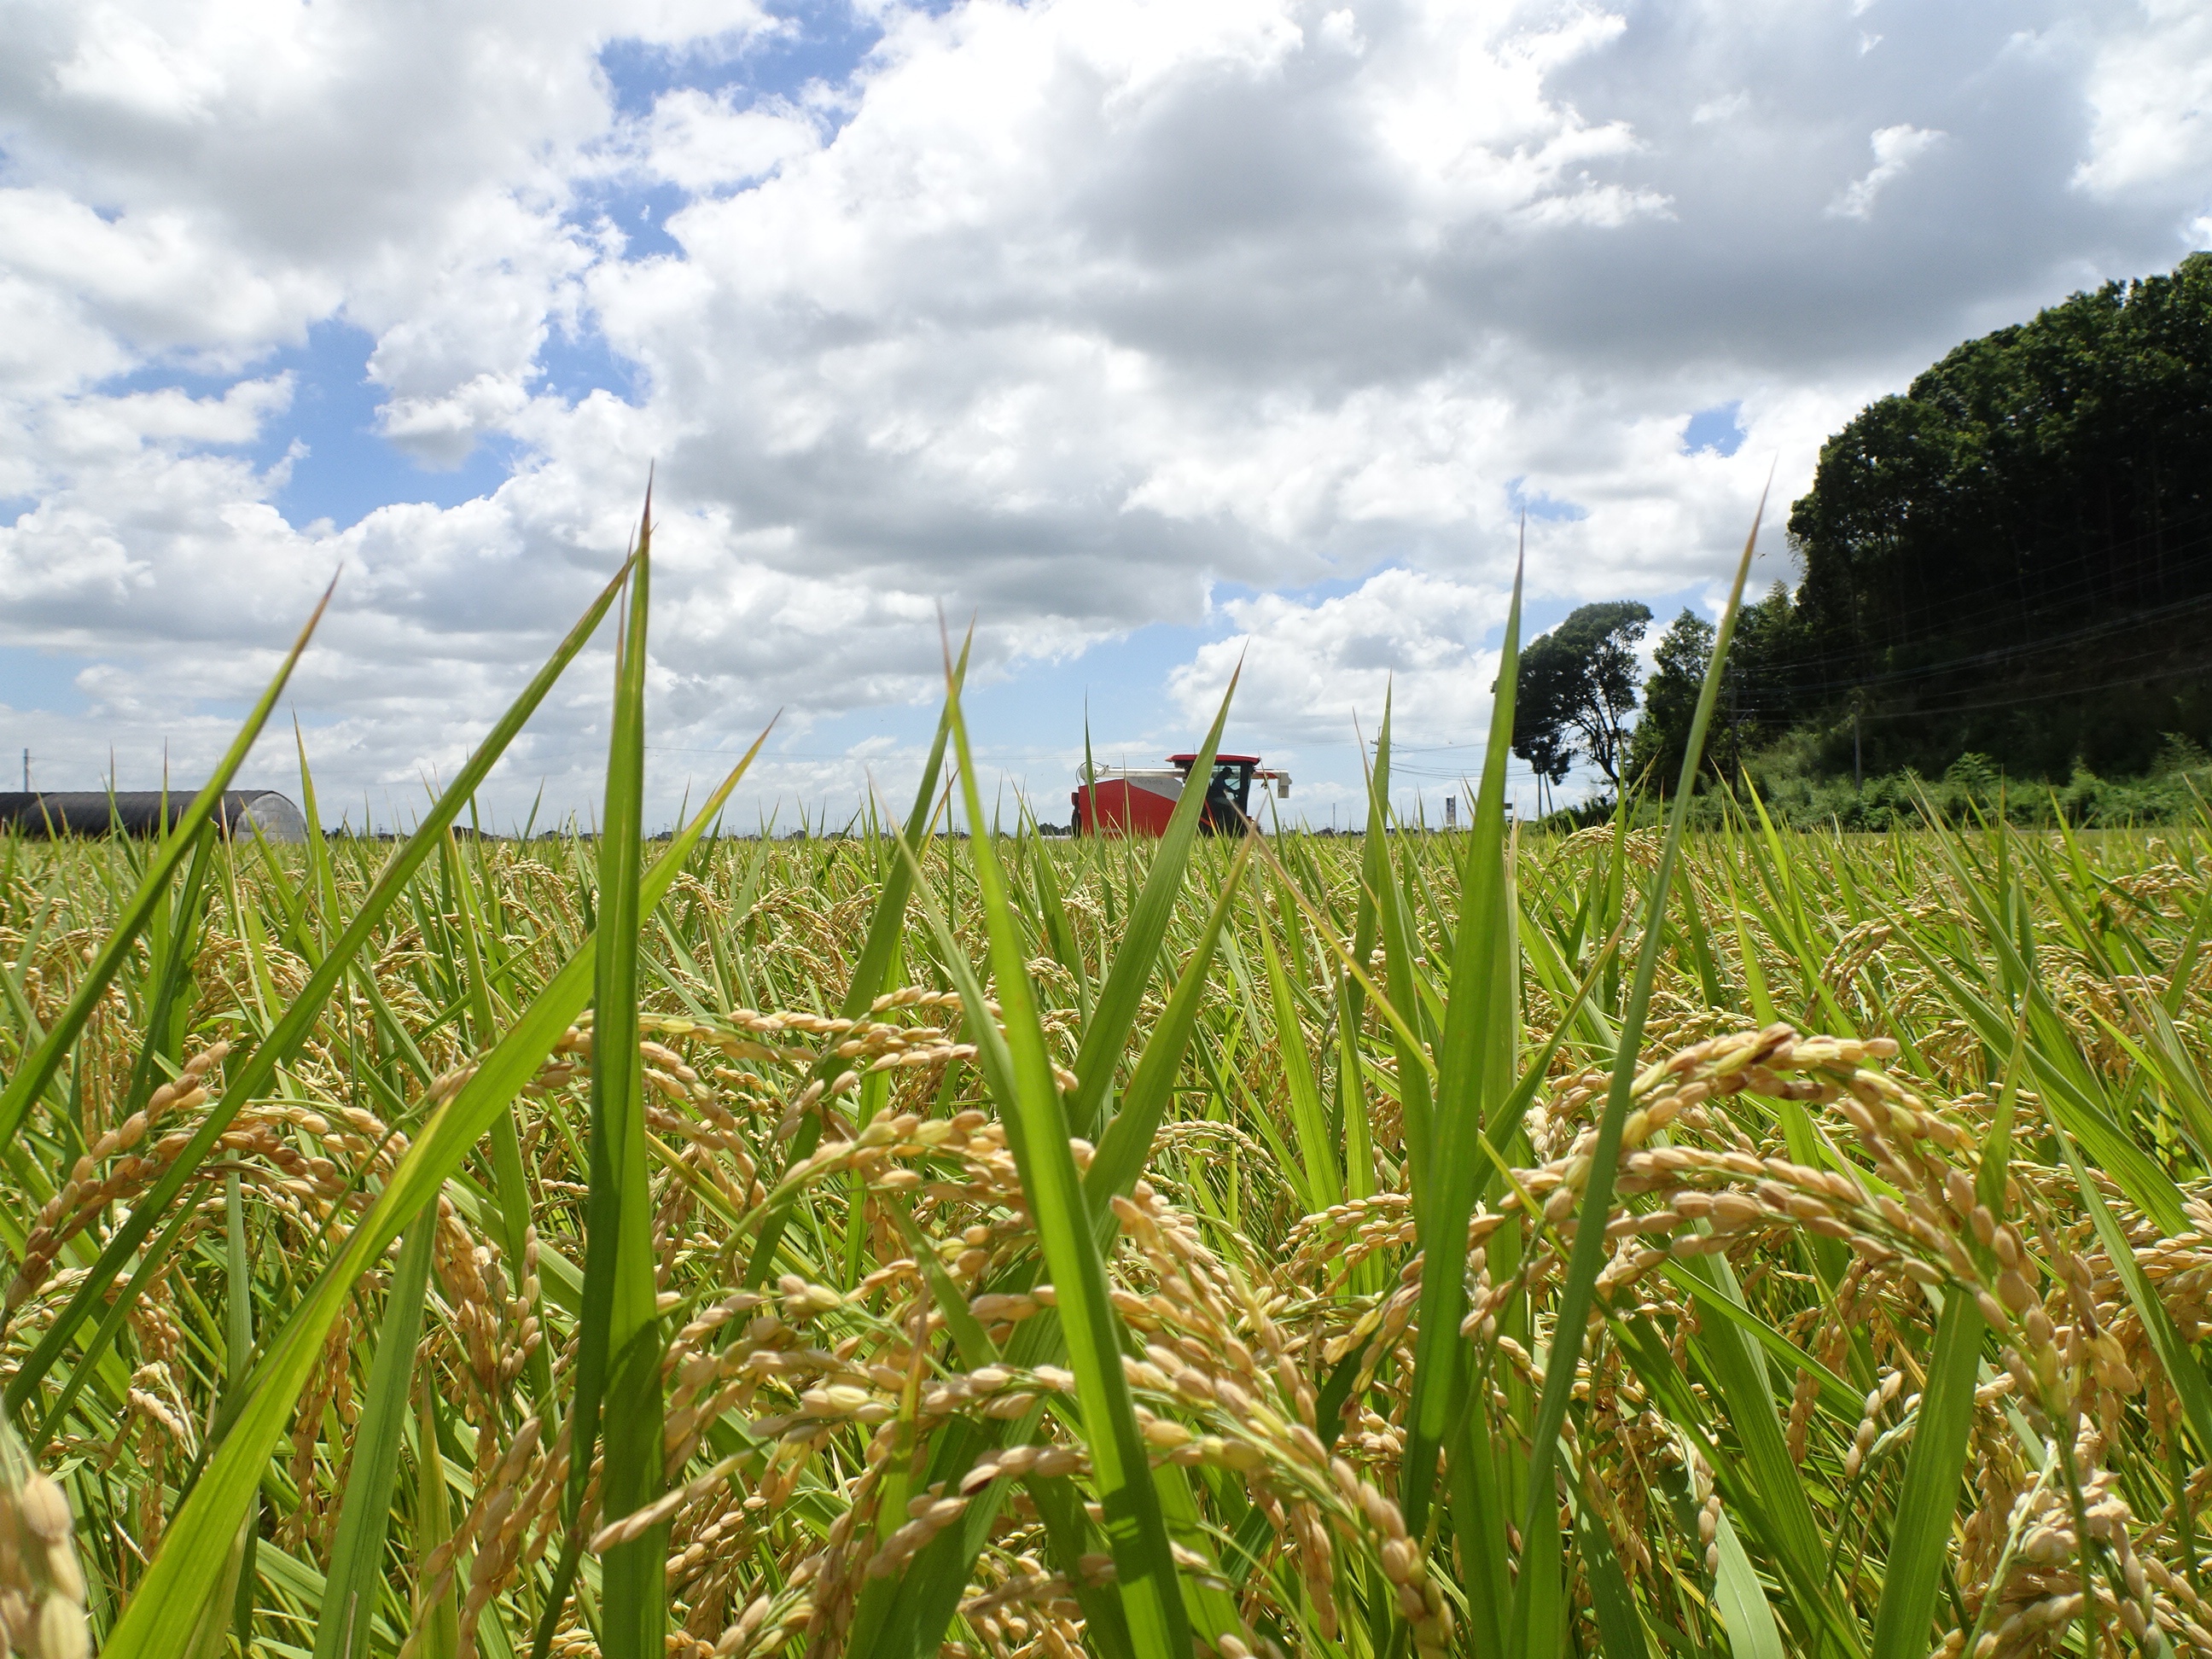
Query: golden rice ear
[{"x": 42, "y": 1585}]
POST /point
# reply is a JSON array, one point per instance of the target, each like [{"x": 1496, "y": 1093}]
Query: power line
[
  {"x": 2053, "y": 594},
  {"x": 1760, "y": 700},
  {"x": 1785, "y": 705},
  {"x": 2000, "y": 653},
  {"x": 2010, "y": 700}
]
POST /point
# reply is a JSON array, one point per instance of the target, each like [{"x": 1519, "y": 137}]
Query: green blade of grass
[
  {"x": 1724, "y": 1300},
  {"x": 321, "y": 875},
  {"x": 1359, "y": 1160},
  {"x": 1321, "y": 1174},
  {"x": 1128, "y": 1139},
  {"x": 356, "y": 1578},
  {"x": 253, "y": 1076},
  {"x": 885, "y": 924},
  {"x": 38, "y": 1068},
  {"x": 1619, "y": 1623},
  {"x": 1475, "y": 1068},
  {"x": 1019, "y": 1070},
  {"x": 1113, "y": 1015},
  {"x": 1402, "y": 1004},
  {"x": 169, "y": 1595},
  {"x": 436, "y": 1621},
  {"x": 1745, "y": 1612},
  {"x": 1911, "y": 1585},
  {"x": 177, "y": 944},
  {"x": 1060, "y": 935},
  {"x": 619, "y": 1339},
  {"x": 1578, "y": 1291},
  {"x": 512, "y": 1180},
  {"x": 1060, "y": 1506},
  {"x": 1763, "y": 1474},
  {"x": 237, "y": 1351}
]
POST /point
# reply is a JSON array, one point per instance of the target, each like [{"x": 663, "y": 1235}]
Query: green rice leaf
[
  {"x": 1106, "y": 1033},
  {"x": 619, "y": 1341},
  {"x": 1019, "y": 1070},
  {"x": 1742, "y": 1600},
  {"x": 1128, "y": 1140},
  {"x": 1904, "y": 1621},
  {"x": 249, "y": 1077},
  {"x": 38, "y": 1068},
  {"x": 1476, "y": 1068},
  {"x": 1319, "y": 1166},
  {"x": 1619, "y": 1621},
  {"x": 351, "y": 1588},
  {"x": 182, "y": 1574},
  {"x": 1577, "y": 1292}
]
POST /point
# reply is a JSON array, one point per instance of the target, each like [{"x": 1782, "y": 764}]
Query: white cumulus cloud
[
  {"x": 1313, "y": 672},
  {"x": 2151, "y": 96},
  {"x": 1064, "y": 315},
  {"x": 1895, "y": 149}
]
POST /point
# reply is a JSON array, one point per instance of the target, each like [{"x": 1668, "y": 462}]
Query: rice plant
[{"x": 1742, "y": 1242}]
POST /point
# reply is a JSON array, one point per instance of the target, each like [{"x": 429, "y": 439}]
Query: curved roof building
[{"x": 243, "y": 813}]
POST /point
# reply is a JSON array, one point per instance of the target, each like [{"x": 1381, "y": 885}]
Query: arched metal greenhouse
[{"x": 243, "y": 813}]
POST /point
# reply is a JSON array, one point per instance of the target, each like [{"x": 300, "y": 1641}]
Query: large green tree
[
  {"x": 1576, "y": 688},
  {"x": 1670, "y": 702},
  {"x": 2015, "y": 555},
  {"x": 1752, "y": 712}
]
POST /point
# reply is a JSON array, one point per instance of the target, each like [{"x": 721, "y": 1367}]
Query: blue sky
[{"x": 1151, "y": 337}]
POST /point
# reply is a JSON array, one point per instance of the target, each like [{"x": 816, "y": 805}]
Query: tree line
[{"x": 2012, "y": 558}]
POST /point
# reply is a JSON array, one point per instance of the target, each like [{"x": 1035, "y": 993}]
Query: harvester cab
[{"x": 1128, "y": 800}]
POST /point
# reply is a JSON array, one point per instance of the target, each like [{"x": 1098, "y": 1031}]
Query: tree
[
  {"x": 1760, "y": 689},
  {"x": 2012, "y": 556},
  {"x": 1757, "y": 697},
  {"x": 1577, "y": 683},
  {"x": 1670, "y": 703}
]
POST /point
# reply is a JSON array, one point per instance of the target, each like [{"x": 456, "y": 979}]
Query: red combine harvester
[{"x": 1128, "y": 800}]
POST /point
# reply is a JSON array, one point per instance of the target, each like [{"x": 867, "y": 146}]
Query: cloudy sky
[{"x": 1148, "y": 335}]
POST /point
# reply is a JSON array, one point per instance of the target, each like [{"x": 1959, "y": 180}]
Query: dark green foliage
[
  {"x": 1747, "y": 719},
  {"x": 1974, "y": 788},
  {"x": 1670, "y": 698},
  {"x": 2015, "y": 556},
  {"x": 1575, "y": 687},
  {"x": 1769, "y": 643}
]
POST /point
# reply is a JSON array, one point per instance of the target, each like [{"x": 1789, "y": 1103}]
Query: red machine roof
[{"x": 1185, "y": 760}]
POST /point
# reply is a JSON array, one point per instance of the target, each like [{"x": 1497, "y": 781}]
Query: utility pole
[
  {"x": 1858, "y": 776},
  {"x": 26, "y": 771}
]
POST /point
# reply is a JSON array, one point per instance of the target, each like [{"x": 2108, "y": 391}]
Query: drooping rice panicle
[{"x": 1887, "y": 1343}]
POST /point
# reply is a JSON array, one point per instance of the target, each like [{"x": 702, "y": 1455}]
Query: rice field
[{"x": 1636, "y": 1243}]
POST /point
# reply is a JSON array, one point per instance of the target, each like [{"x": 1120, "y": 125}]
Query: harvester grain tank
[{"x": 1130, "y": 801}]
